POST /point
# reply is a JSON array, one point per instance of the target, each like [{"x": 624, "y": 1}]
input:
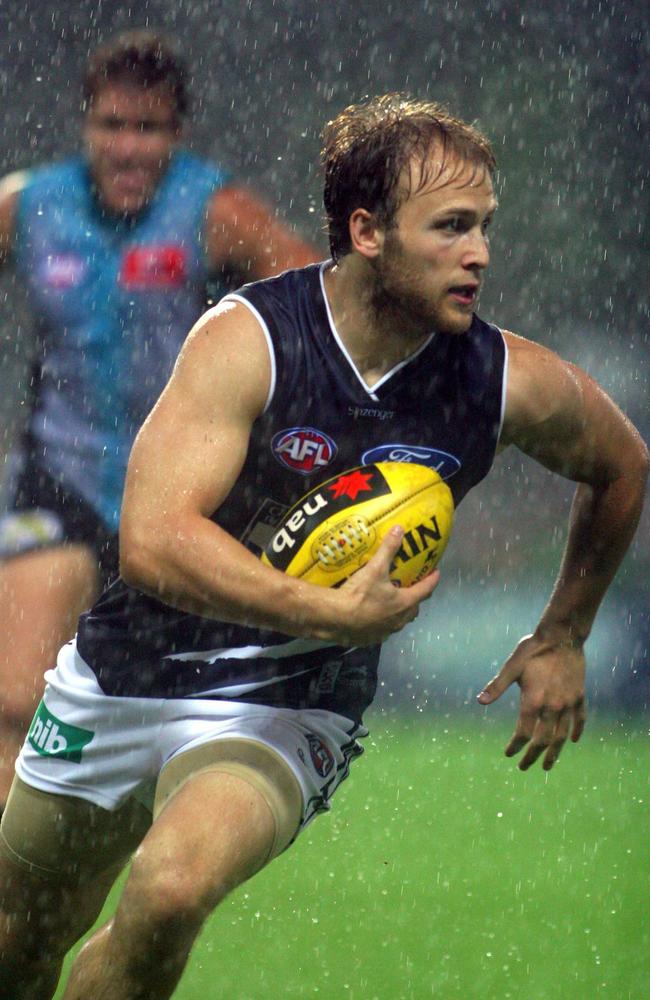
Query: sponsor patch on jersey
[
  {"x": 157, "y": 266},
  {"x": 50, "y": 737},
  {"x": 325, "y": 680},
  {"x": 259, "y": 531},
  {"x": 63, "y": 270},
  {"x": 303, "y": 449},
  {"x": 321, "y": 756},
  {"x": 444, "y": 463}
]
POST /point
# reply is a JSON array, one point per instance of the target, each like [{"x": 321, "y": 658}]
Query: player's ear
[{"x": 366, "y": 236}]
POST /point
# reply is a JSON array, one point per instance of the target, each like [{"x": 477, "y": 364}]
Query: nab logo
[
  {"x": 445, "y": 465},
  {"x": 303, "y": 449}
]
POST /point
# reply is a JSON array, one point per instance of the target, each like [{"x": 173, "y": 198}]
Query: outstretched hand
[
  {"x": 550, "y": 674},
  {"x": 374, "y": 607}
]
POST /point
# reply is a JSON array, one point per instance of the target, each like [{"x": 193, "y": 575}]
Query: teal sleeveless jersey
[{"x": 114, "y": 299}]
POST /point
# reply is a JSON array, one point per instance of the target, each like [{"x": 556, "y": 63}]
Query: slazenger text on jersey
[{"x": 367, "y": 411}]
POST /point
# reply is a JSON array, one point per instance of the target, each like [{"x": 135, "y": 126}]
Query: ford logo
[{"x": 444, "y": 463}]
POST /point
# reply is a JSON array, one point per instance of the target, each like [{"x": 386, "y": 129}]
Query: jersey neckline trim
[
  {"x": 234, "y": 297},
  {"x": 370, "y": 390}
]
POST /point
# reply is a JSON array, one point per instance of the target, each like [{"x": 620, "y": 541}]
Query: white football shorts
[{"x": 106, "y": 750}]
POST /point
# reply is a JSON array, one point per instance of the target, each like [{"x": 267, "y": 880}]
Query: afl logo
[
  {"x": 303, "y": 449},
  {"x": 63, "y": 270},
  {"x": 444, "y": 463}
]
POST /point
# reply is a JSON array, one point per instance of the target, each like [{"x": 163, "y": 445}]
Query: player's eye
[
  {"x": 453, "y": 225},
  {"x": 111, "y": 124}
]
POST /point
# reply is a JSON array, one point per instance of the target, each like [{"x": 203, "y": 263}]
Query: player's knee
[{"x": 166, "y": 897}]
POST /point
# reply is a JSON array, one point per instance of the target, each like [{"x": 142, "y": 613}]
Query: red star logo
[{"x": 350, "y": 486}]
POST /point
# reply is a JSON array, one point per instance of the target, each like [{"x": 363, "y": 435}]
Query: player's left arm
[
  {"x": 244, "y": 235},
  {"x": 559, "y": 416}
]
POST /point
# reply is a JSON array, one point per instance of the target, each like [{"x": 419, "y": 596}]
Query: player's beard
[{"x": 397, "y": 298}]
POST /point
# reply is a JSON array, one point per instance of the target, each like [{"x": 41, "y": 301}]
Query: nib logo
[
  {"x": 52, "y": 738},
  {"x": 351, "y": 485}
]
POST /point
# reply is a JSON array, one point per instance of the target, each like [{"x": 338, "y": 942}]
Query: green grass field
[{"x": 442, "y": 871}]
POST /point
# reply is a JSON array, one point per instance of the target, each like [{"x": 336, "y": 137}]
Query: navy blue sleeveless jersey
[{"x": 441, "y": 407}]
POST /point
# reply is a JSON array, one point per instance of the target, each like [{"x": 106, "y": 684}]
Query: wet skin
[{"x": 432, "y": 261}]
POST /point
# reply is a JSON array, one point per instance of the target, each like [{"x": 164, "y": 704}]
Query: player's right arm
[
  {"x": 10, "y": 188},
  {"x": 184, "y": 463}
]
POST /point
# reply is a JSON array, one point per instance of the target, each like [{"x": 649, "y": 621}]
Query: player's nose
[
  {"x": 126, "y": 143},
  {"x": 477, "y": 250}
]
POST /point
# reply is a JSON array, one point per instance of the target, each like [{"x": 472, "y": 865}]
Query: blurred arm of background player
[
  {"x": 184, "y": 462},
  {"x": 10, "y": 188},
  {"x": 245, "y": 238},
  {"x": 559, "y": 416}
]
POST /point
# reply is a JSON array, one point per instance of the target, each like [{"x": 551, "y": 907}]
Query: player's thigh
[
  {"x": 64, "y": 839},
  {"x": 42, "y": 594},
  {"x": 59, "y": 857},
  {"x": 217, "y": 822},
  {"x": 213, "y": 834},
  {"x": 42, "y": 915},
  {"x": 257, "y": 764}
]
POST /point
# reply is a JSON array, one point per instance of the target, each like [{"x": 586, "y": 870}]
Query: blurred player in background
[
  {"x": 211, "y": 705},
  {"x": 115, "y": 247}
]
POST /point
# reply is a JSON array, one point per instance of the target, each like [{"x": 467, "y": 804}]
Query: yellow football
[{"x": 336, "y": 527}]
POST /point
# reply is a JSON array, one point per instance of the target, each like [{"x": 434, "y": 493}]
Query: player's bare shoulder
[
  {"x": 226, "y": 355},
  {"x": 543, "y": 392},
  {"x": 227, "y": 332},
  {"x": 12, "y": 184},
  {"x": 10, "y": 187},
  {"x": 556, "y": 413}
]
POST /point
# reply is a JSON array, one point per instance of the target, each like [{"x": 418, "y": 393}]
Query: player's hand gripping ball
[{"x": 336, "y": 527}]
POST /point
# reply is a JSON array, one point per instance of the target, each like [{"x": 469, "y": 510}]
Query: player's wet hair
[
  {"x": 141, "y": 57},
  {"x": 368, "y": 146}
]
